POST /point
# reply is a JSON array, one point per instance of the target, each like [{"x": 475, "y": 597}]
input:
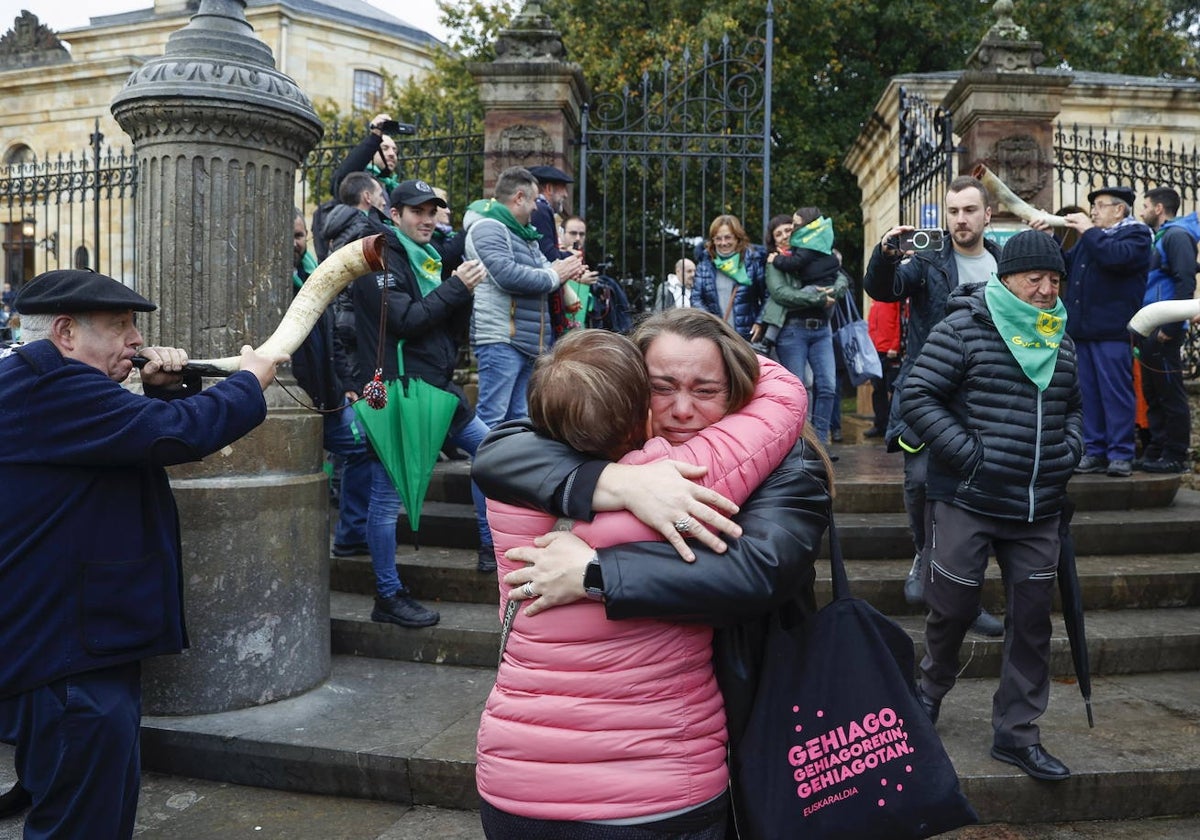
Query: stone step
[
  {"x": 1128, "y": 582},
  {"x": 1167, "y": 530},
  {"x": 173, "y": 807},
  {"x": 1119, "y": 641},
  {"x": 869, "y": 480},
  {"x": 405, "y": 732}
]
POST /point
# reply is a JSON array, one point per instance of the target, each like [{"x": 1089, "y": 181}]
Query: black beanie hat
[{"x": 1030, "y": 250}]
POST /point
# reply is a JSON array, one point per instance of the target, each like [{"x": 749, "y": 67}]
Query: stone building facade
[{"x": 57, "y": 89}]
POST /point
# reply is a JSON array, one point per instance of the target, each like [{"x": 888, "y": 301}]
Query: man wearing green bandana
[
  {"x": 995, "y": 398},
  {"x": 511, "y": 324},
  {"x": 407, "y": 318}
]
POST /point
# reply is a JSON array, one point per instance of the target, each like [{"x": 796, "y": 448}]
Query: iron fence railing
[{"x": 74, "y": 210}]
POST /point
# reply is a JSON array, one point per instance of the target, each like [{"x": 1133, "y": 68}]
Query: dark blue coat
[
  {"x": 1106, "y": 280},
  {"x": 89, "y": 545},
  {"x": 748, "y": 301}
]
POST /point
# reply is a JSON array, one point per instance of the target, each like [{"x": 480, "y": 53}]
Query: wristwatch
[{"x": 593, "y": 580}]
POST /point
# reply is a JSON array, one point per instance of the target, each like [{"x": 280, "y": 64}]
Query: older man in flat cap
[
  {"x": 1106, "y": 279},
  {"x": 89, "y": 537}
]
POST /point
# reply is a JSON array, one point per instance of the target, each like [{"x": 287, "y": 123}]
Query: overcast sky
[{"x": 72, "y": 14}]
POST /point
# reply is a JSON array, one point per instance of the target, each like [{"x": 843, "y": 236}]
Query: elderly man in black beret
[
  {"x": 89, "y": 537},
  {"x": 1106, "y": 281}
]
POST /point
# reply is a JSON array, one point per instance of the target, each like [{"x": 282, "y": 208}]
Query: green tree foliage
[{"x": 833, "y": 59}]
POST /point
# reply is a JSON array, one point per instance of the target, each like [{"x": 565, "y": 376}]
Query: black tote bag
[{"x": 837, "y": 745}]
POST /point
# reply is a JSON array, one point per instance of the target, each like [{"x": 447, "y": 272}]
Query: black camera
[
  {"x": 394, "y": 127},
  {"x": 926, "y": 239}
]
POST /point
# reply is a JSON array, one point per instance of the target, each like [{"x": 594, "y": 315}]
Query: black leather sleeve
[
  {"x": 517, "y": 466},
  {"x": 783, "y": 524}
]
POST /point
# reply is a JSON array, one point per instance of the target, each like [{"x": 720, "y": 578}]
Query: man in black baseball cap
[
  {"x": 414, "y": 193},
  {"x": 90, "y": 564}
]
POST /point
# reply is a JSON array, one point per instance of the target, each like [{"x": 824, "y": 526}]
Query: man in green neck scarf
[
  {"x": 995, "y": 397},
  {"x": 511, "y": 323},
  {"x": 410, "y": 323}
]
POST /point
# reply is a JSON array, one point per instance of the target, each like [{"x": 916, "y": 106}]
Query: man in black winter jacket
[
  {"x": 994, "y": 398},
  {"x": 927, "y": 279}
]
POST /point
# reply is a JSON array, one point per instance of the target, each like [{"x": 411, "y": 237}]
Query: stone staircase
[{"x": 396, "y": 721}]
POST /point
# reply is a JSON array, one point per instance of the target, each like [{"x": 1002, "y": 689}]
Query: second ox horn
[{"x": 1012, "y": 202}]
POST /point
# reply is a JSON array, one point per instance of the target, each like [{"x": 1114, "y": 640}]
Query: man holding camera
[
  {"x": 927, "y": 278},
  {"x": 376, "y": 153}
]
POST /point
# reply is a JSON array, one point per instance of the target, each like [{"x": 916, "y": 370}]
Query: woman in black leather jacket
[{"x": 770, "y": 563}]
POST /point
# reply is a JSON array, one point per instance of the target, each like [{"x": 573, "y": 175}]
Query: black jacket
[
  {"x": 432, "y": 327},
  {"x": 997, "y": 445},
  {"x": 783, "y": 525},
  {"x": 927, "y": 278}
]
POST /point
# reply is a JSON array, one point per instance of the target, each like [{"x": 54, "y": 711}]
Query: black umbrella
[{"x": 1072, "y": 606}]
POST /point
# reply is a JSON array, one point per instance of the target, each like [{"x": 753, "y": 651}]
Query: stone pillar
[
  {"x": 218, "y": 135},
  {"x": 1004, "y": 110},
  {"x": 532, "y": 98}
]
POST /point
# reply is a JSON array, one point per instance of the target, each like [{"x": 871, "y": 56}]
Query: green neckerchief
[
  {"x": 426, "y": 263},
  {"x": 490, "y": 208},
  {"x": 390, "y": 182},
  {"x": 308, "y": 264},
  {"x": 817, "y": 235},
  {"x": 732, "y": 267},
  {"x": 1032, "y": 335}
]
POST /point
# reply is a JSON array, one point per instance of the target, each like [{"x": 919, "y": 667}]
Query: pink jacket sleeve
[{"x": 740, "y": 450}]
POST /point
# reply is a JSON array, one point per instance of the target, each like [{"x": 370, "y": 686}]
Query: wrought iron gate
[
  {"x": 926, "y": 160},
  {"x": 75, "y": 211},
  {"x": 658, "y": 162}
]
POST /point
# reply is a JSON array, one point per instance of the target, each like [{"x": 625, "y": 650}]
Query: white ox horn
[
  {"x": 338, "y": 271},
  {"x": 1153, "y": 315},
  {"x": 1016, "y": 205}
]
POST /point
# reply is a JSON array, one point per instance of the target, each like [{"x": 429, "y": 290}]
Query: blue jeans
[
  {"x": 503, "y": 380},
  {"x": 385, "y": 507},
  {"x": 797, "y": 347},
  {"x": 345, "y": 437}
]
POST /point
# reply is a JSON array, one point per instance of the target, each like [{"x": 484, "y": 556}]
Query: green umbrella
[{"x": 408, "y": 432}]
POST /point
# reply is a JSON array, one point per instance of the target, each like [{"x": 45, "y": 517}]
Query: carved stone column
[
  {"x": 218, "y": 133},
  {"x": 1004, "y": 109},
  {"x": 532, "y": 97}
]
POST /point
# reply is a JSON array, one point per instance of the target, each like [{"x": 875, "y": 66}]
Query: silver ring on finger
[
  {"x": 527, "y": 590},
  {"x": 683, "y": 525}
]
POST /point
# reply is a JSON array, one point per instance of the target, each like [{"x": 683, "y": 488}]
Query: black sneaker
[
  {"x": 1163, "y": 466},
  {"x": 351, "y": 550},
  {"x": 1092, "y": 464},
  {"x": 986, "y": 624},
  {"x": 402, "y": 609}
]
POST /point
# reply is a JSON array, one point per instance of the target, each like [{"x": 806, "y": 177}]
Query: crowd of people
[{"x": 650, "y": 495}]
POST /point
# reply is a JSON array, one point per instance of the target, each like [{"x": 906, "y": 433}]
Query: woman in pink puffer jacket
[{"x": 594, "y": 720}]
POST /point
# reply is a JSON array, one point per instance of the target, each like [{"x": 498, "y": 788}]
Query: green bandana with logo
[
  {"x": 490, "y": 208},
  {"x": 1032, "y": 335},
  {"x": 817, "y": 235},
  {"x": 425, "y": 261},
  {"x": 732, "y": 266}
]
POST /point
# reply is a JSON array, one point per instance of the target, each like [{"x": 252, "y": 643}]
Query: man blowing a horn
[{"x": 89, "y": 537}]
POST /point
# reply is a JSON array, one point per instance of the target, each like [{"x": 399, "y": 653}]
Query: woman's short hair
[
  {"x": 735, "y": 227},
  {"x": 592, "y": 392},
  {"x": 741, "y": 363},
  {"x": 774, "y": 225}
]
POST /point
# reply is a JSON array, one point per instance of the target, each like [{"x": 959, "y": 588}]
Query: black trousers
[
  {"x": 1170, "y": 424},
  {"x": 958, "y": 543}
]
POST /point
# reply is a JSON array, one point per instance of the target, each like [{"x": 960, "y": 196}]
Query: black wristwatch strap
[{"x": 593, "y": 580}]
